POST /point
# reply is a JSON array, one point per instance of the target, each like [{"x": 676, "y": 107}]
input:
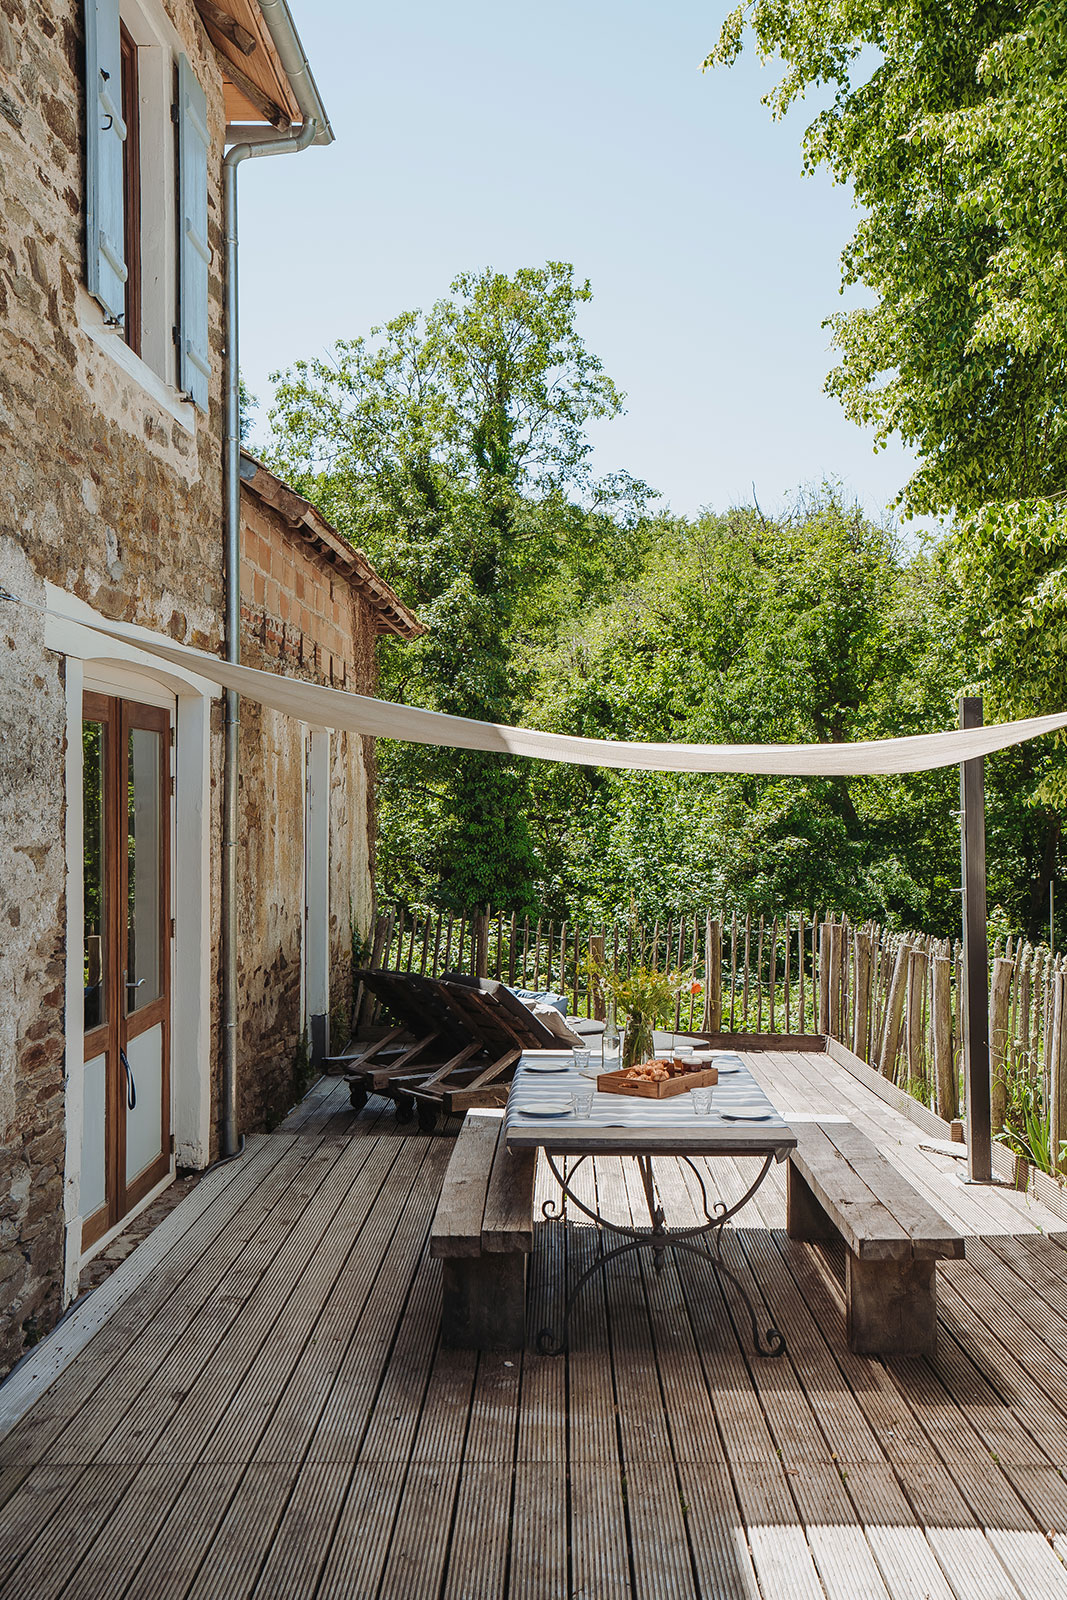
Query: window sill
[{"x": 110, "y": 339}]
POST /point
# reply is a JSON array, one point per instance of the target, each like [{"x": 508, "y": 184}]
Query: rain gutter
[{"x": 315, "y": 130}]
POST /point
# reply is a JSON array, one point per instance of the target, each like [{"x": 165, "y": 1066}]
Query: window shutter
[
  {"x": 105, "y": 133},
  {"x": 194, "y": 255}
]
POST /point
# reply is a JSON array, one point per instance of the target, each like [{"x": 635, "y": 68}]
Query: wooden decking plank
[
  {"x": 46, "y": 1556},
  {"x": 539, "y": 1538},
  {"x": 1045, "y": 1313},
  {"x": 374, "y": 1392},
  {"x": 478, "y": 1553},
  {"x": 10, "y": 1479},
  {"x": 28, "y": 1510},
  {"x": 844, "y": 1561},
  {"x": 718, "y": 1539},
  {"x": 234, "y": 1429},
  {"x": 422, "y": 1531},
  {"x": 103, "y": 1570},
  {"x": 361, "y": 1537},
  {"x": 297, "y": 1552},
  {"x": 659, "y": 1538},
  {"x": 1045, "y": 1372},
  {"x": 600, "y": 1561},
  {"x": 233, "y": 1557},
  {"x": 352, "y": 1330},
  {"x": 169, "y": 1562},
  {"x": 225, "y": 1322},
  {"x": 254, "y": 1188}
]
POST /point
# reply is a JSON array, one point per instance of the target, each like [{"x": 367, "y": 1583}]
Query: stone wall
[{"x": 115, "y": 497}]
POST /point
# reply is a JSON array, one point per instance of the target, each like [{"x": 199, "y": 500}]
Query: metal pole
[{"x": 976, "y": 1074}]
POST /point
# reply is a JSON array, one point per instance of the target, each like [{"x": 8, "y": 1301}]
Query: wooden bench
[
  {"x": 838, "y": 1180},
  {"x": 482, "y": 1234}
]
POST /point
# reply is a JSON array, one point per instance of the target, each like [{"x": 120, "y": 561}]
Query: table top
[{"x": 636, "y": 1125}]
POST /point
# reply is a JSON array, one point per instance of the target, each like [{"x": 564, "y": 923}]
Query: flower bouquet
[{"x": 647, "y": 998}]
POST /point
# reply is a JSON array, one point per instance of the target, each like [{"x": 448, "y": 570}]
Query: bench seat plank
[
  {"x": 457, "y": 1224},
  {"x": 508, "y": 1221},
  {"x": 931, "y": 1236},
  {"x": 868, "y": 1228}
]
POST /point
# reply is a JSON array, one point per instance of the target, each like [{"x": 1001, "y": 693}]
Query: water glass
[
  {"x": 581, "y": 1061},
  {"x": 701, "y": 1101},
  {"x": 583, "y": 1101}
]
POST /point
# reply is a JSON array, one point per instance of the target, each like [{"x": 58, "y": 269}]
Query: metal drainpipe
[{"x": 280, "y": 25}]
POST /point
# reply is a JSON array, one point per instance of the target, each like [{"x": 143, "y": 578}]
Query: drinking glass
[
  {"x": 583, "y": 1102},
  {"x": 701, "y": 1101},
  {"x": 581, "y": 1060}
]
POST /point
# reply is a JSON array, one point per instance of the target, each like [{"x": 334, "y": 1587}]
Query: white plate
[
  {"x": 746, "y": 1114},
  {"x": 548, "y": 1108},
  {"x": 547, "y": 1066}
]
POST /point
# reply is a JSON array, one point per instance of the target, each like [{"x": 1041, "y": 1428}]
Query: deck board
[{"x": 269, "y": 1413}]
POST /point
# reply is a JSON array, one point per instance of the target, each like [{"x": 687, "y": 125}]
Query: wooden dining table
[{"x": 742, "y": 1122}]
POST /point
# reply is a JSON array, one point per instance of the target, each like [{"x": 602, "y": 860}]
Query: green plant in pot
[{"x": 647, "y": 998}]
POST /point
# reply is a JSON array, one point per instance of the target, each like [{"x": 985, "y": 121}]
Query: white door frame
[{"x": 112, "y": 667}]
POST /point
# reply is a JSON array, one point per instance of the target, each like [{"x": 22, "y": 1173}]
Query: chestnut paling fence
[{"x": 895, "y": 999}]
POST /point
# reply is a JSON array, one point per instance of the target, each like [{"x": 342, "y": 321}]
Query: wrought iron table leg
[{"x": 659, "y": 1239}]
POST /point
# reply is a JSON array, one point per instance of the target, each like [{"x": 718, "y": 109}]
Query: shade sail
[{"x": 384, "y": 719}]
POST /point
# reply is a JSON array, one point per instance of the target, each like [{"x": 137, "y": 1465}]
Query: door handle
[{"x": 131, "y": 1087}]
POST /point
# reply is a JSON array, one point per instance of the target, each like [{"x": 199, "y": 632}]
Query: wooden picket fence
[{"x": 895, "y": 999}]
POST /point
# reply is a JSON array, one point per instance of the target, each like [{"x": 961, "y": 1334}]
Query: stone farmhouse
[{"x": 180, "y": 890}]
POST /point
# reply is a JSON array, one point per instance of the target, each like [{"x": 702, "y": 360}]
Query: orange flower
[{"x": 696, "y": 988}]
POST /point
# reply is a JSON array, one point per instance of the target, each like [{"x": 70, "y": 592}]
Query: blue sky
[{"x": 488, "y": 134}]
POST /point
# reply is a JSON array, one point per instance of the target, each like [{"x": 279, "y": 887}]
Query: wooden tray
[{"x": 619, "y": 1083}]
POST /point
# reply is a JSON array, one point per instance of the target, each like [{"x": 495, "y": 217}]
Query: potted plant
[{"x": 647, "y": 998}]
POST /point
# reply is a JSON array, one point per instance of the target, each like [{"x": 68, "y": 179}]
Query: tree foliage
[
  {"x": 452, "y": 446},
  {"x": 950, "y": 121}
]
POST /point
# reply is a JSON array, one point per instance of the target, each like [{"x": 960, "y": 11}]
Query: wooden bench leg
[
  {"x": 804, "y": 1216},
  {"x": 483, "y": 1303},
  {"x": 891, "y": 1307}
]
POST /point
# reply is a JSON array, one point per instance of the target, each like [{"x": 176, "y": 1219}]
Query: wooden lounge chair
[{"x": 427, "y": 1036}]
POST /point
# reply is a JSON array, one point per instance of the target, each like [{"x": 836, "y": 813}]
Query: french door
[{"x": 126, "y": 811}]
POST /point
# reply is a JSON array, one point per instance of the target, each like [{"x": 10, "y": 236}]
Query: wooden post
[
  {"x": 712, "y": 976},
  {"x": 975, "y": 955},
  {"x": 998, "y": 1041},
  {"x": 1058, "y": 1083},
  {"x": 861, "y": 1011},
  {"x": 833, "y": 986},
  {"x": 480, "y": 943},
  {"x": 945, "y": 1076},
  {"x": 916, "y": 986},
  {"x": 596, "y": 956},
  {"x": 894, "y": 1011},
  {"x": 825, "y": 936}
]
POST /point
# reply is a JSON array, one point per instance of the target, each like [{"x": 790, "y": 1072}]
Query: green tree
[
  {"x": 453, "y": 447},
  {"x": 950, "y": 122}
]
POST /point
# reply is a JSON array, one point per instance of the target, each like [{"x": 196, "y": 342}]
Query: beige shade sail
[{"x": 384, "y": 719}]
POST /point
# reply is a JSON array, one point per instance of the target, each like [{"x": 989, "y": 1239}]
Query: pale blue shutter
[
  {"x": 194, "y": 254},
  {"x": 106, "y": 132}
]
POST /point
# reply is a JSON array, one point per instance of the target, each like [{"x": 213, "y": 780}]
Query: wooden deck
[{"x": 270, "y": 1413}]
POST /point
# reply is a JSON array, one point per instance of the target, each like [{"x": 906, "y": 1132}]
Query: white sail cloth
[{"x": 384, "y": 719}]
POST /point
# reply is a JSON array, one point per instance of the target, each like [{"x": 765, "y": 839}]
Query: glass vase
[{"x": 636, "y": 1041}]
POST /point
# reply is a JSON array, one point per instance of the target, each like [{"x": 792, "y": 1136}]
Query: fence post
[
  {"x": 894, "y": 1011},
  {"x": 480, "y": 943},
  {"x": 1058, "y": 1083},
  {"x": 824, "y": 977},
  {"x": 999, "y": 1002},
  {"x": 945, "y": 1076},
  {"x": 861, "y": 1010},
  {"x": 596, "y": 955},
  {"x": 712, "y": 1021},
  {"x": 916, "y": 985}
]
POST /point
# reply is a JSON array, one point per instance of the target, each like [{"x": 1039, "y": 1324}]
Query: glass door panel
[
  {"x": 144, "y": 875},
  {"x": 126, "y": 833}
]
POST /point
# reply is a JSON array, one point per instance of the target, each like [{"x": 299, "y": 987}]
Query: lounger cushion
[
  {"x": 556, "y": 1024},
  {"x": 543, "y": 997}
]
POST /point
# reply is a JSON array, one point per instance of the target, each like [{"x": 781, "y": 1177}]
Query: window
[
  {"x": 131, "y": 189},
  {"x": 147, "y": 256}
]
